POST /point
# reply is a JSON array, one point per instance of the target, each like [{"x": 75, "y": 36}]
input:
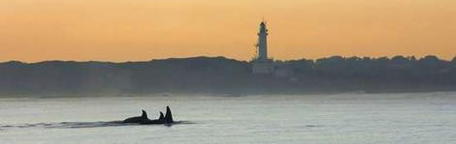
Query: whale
[
  {"x": 138, "y": 119},
  {"x": 143, "y": 119}
]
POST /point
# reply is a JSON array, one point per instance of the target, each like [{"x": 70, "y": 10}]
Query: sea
[{"x": 344, "y": 118}]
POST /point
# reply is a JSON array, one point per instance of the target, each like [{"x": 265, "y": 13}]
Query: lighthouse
[
  {"x": 261, "y": 64},
  {"x": 262, "y": 44}
]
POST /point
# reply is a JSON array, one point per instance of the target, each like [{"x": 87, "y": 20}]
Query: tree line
[{"x": 220, "y": 75}]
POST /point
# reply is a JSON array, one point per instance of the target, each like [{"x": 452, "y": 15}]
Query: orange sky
[{"x": 135, "y": 30}]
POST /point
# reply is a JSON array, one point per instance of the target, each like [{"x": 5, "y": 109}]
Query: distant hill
[{"x": 218, "y": 75}]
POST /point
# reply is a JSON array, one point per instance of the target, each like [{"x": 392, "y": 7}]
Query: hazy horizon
[{"x": 121, "y": 30}]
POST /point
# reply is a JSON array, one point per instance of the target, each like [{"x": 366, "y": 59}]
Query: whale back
[{"x": 138, "y": 119}]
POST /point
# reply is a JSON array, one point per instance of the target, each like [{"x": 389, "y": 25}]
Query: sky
[{"x": 139, "y": 30}]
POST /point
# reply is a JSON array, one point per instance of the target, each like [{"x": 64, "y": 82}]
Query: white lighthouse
[
  {"x": 261, "y": 63},
  {"x": 262, "y": 44}
]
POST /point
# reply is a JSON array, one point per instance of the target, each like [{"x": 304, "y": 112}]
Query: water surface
[{"x": 292, "y": 119}]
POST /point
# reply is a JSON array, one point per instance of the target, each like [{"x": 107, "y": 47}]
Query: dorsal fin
[
  {"x": 144, "y": 114},
  {"x": 168, "y": 115},
  {"x": 161, "y": 116}
]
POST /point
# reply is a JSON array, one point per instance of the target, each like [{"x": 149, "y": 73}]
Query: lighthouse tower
[
  {"x": 261, "y": 64},
  {"x": 262, "y": 43}
]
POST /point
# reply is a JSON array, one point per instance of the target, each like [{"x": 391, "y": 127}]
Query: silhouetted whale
[
  {"x": 143, "y": 119},
  {"x": 138, "y": 119}
]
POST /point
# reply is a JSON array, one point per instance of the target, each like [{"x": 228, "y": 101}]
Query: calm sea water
[{"x": 408, "y": 118}]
